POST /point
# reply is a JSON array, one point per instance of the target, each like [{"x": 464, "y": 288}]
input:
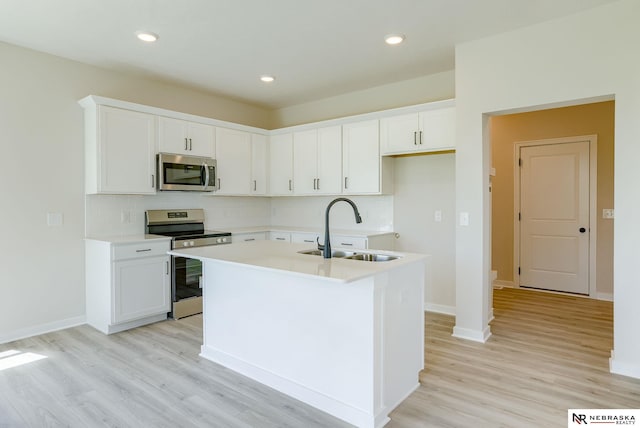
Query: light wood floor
[{"x": 548, "y": 353}]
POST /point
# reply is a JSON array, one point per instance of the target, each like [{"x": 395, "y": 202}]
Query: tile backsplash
[{"x": 113, "y": 215}]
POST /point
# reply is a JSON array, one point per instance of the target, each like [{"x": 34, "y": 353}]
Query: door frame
[{"x": 593, "y": 201}]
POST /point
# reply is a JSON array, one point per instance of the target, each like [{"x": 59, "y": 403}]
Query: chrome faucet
[{"x": 326, "y": 248}]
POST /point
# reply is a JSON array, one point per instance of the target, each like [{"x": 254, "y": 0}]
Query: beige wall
[{"x": 597, "y": 118}]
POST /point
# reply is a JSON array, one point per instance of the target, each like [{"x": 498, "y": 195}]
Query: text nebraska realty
[{"x": 605, "y": 419}]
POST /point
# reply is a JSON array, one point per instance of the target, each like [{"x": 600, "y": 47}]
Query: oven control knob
[
  {"x": 219, "y": 240},
  {"x": 185, "y": 244},
  {"x": 224, "y": 240},
  {"x": 192, "y": 243}
]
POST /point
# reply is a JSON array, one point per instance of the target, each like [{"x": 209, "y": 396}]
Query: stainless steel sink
[
  {"x": 372, "y": 257},
  {"x": 352, "y": 255},
  {"x": 334, "y": 253}
]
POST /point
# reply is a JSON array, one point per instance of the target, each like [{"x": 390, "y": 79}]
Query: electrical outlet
[
  {"x": 607, "y": 213},
  {"x": 125, "y": 216},
  {"x": 437, "y": 216},
  {"x": 54, "y": 219}
]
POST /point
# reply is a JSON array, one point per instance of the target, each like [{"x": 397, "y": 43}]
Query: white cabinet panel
[
  {"x": 361, "y": 158},
  {"x": 140, "y": 288},
  {"x": 281, "y": 164},
  {"x": 259, "y": 164},
  {"x": 119, "y": 151},
  {"x": 426, "y": 131},
  {"x": 233, "y": 156},
  {"x": 185, "y": 138},
  {"x": 317, "y": 155}
]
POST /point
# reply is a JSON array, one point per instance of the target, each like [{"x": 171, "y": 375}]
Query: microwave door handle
[{"x": 206, "y": 176}]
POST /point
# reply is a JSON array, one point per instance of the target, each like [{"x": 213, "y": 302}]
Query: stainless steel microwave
[{"x": 178, "y": 172}]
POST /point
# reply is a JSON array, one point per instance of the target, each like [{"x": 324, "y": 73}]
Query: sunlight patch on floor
[{"x": 13, "y": 358}]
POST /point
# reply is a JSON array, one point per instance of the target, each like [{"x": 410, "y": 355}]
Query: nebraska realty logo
[{"x": 581, "y": 417}]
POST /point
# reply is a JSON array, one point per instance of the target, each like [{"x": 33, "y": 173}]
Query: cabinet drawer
[
  {"x": 348, "y": 242},
  {"x": 140, "y": 249},
  {"x": 309, "y": 238},
  {"x": 248, "y": 237},
  {"x": 280, "y": 236}
]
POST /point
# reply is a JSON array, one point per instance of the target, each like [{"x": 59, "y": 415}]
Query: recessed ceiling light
[
  {"x": 267, "y": 79},
  {"x": 147, "y": 36},
  {"x": 394, "y": 39}
]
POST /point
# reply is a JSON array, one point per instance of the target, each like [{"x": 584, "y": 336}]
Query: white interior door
[{"x": 554, "y": 210}]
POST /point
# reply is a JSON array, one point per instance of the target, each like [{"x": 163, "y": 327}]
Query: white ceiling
[{"x": 315, "y": 48}]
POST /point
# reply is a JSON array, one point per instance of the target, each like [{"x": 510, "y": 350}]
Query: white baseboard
[
  {"x": 499, "y": 283},
  {"x": 605, "y": 296},
  {"x": 474, "y": 335},
  {"x": 440, "y": 309},
  {"x": 625, "y": 368},
  {"x": 42, "y": 329}
]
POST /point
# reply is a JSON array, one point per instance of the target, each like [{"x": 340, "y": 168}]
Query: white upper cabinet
[
  {"x": 259, "y": 164},
  {"x": 185, "y": 138},
  {"x": 317, "y": 155},
  {"x": 281, "y": 164},
  {"x": 362, "y": 169},
  {"x": 426, "y": 131},
  {"x": 119, "y": 150},
  {"x": 233, "y": 156}
]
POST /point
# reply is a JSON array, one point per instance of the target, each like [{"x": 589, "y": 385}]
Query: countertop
[{"x": 284, "y": 256}]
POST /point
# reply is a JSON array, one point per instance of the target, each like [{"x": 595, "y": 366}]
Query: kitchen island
[{"x": 345, "y": 336}]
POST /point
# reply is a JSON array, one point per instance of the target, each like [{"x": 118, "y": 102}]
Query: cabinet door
[
  {"x": 126, "y": 151},
  {"x": 329, "y": 161},
  {"x": 361, "y": 157},
  {"x": 281, "y": 164},
  {"x": 172, "y": 136},
  {"x": 305, "y": 161},
  {"x": 233, "y": 154},
  {"x": 438, "y": 129},
  {"x": 202, "y": 139},
  {"x": 259, "y": 159},
  {"x": 140, "y": 288},
  {"x": 399, "y": 134},
  {"x": 185, "y": 138}
]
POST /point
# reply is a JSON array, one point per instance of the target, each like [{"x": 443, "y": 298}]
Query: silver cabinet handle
[
  {"x": 308, "y": 240},
  {"x": 415, "y": 138},
  {"x": 255, "y": 185},
  {"x": 318, "y": 186},
  {"x": 190, "y": 145},
  {"x": 421, "y": 137},
  {"x": 166, "y": 267},
  {"x": 346, "y": 244},
  {"x": 280, "y": 239},
  {"x": 290, "y": 185},
  {"x": 346, "y": 183},
  {"x": 219, "y": 184},
  {"x": 249, "y": 239},
  {"x": 314, "y": 184},
  {"x": 143, "y": 251},
  {"x": 186, "y": 144},
  {"x": 153, "y": 181}
]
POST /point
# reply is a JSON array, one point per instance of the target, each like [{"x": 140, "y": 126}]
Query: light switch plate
[
  {"x": 437, "y": 216},
  {"x": 464, "y": 219},
  {"x": 607, "y": 213},
  {"x": 54, "y": 219}
]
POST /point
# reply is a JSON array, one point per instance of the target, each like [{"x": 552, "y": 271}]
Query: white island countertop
[{"x": 285, "y": 256}]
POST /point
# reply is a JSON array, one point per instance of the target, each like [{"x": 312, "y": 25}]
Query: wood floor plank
[{"x": 548, "y": 353}]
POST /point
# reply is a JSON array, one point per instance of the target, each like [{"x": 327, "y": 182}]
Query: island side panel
[
  {"x": 310, "y": 338},
  {"x": 400, "y": 293}
]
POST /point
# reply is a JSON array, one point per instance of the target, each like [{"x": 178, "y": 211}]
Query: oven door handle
[{"x": 206, "y": 176}]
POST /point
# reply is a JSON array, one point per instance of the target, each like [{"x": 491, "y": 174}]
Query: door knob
[{"x": 582, "y": 230}]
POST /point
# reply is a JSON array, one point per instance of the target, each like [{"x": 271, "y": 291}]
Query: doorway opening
[{"x": 511, "y": 134}]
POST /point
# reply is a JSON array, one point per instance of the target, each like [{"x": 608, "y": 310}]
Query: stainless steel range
[{"x": 186, "y": 227}]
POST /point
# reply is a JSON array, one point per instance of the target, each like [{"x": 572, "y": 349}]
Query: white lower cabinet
[{"x": 127, "y": 283}]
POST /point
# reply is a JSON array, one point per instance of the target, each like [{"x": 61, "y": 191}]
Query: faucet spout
[{"x": 326, "y": 248}]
